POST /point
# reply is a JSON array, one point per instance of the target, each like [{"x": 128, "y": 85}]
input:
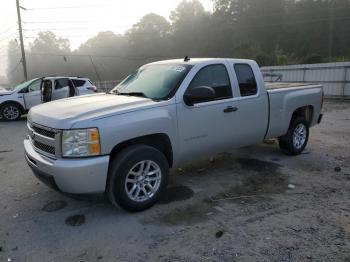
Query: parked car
[
  {"x": 164, "y": 115},
  {"x": 14, "y": 103}
]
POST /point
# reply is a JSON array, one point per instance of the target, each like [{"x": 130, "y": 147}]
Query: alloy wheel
[{"x": 143, "y": 180}]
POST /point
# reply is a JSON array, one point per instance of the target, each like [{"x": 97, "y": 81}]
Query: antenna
[{"x": 187, "y": 58}]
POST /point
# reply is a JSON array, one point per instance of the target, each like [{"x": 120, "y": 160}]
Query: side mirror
[{"x": 198, "y": 95}]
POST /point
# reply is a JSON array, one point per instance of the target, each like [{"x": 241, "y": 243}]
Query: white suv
[{"x": 18, "y": 101}]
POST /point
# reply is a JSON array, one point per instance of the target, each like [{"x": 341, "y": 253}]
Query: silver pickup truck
[{"x": 163, "y": 115}]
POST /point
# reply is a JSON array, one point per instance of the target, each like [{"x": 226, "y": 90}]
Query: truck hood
[{"x": 64, "y": 113}]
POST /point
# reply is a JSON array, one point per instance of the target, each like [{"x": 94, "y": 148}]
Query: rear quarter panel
[{"x": 283, "y": 103}]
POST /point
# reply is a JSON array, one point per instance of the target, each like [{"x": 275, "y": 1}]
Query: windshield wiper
[{"x": 141, "y": 94}]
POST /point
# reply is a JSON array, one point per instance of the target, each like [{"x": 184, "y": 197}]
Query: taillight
[{"x": 92, "y": 88}]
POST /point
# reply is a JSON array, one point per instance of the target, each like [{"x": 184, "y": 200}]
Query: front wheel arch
[{"x": 160, "y": 141}]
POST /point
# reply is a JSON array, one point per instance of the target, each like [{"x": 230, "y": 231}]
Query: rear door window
[
  {"x": 78, "y": 82},
  {"x": 246, "y": 79},
  {"x": 216, "y": 77},
  {"x": 60, "y": 83}
]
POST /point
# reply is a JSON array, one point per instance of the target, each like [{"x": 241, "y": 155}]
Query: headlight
[{"x": 81, "y": 142}]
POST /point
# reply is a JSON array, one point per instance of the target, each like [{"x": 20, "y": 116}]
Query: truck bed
[
  {"x": 282, "y": 85},
  {"x": 285, "y": 98}
]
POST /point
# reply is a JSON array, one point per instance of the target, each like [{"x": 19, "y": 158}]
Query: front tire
[
  {"x": 137, "y": 177},
  {"x": 295, "y": 141},
  {"x": 10, "y": 112}
]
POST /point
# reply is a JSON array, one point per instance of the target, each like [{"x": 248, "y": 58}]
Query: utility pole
[
  {"x": 95, "y": 69},
  {"x": 331, "y": 28},
  {"x": 21, "y": 40}
]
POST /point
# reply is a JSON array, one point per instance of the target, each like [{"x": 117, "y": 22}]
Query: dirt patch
[
  {"x": 275, "y": 159},
  {"x": 258, "y": 165},
  {"x": 76, "y": 220},
  {"x": 266, "y": 179},
  {"x": 263, "y": 178},
  {"x": 6, "y": 151},
  {"x": 176, "y": 193},
  {"x": 188, "y": 215},
  {"x": 54, "y": 206},
  {"x": 221, "y": 162}
]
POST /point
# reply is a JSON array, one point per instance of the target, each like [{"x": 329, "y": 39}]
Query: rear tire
[
  {"x": 10, "y": 112},
  {"x": 295, "y": 141},
  {"x": 137, "y": 177}
]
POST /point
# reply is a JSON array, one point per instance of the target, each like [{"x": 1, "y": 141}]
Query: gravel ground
[{"x": 252, "y": 204}]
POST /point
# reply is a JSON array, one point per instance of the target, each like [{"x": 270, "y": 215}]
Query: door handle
[{"x": 230, "y": 109}]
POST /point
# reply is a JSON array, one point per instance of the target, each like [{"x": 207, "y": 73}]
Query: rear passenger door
[
  {"x": 207, "y": 127},
  {"x": 61, "y": 88},
  {"x": 252, "y": 103}
]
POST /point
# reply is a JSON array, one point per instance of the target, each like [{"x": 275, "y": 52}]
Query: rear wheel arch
[
  {"x": 306, "y": 112},
  {"x": 296, "y": 138},
  {"x": 160, "y": 141}
]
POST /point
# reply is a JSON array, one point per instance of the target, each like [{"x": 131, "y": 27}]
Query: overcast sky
[{"x": 76, "y": 20}]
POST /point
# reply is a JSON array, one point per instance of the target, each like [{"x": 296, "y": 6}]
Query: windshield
[
  {"x": 23, "y": 85},
  {"x": 158, "y": 81}
]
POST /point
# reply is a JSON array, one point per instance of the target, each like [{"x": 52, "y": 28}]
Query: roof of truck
[{"x": 195, "y": 61}]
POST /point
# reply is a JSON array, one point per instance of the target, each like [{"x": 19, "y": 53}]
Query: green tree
[
  {"x": 149, "y": 37},
  {"x": 48, "y": 42}
]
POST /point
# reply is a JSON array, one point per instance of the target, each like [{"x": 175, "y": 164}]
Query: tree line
[{"x": 272, "y": 32}]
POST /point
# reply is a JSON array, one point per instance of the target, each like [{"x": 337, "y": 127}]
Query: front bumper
[{"x": 74, "y": 176}]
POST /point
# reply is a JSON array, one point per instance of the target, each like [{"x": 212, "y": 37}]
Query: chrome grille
[
  {"x": 44, "y": 132},
  {"x": 45, "y": 140},
  {"x": 45, "y": 148}
]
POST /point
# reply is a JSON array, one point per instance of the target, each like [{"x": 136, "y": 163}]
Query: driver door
[
  {"x": 208, "y": 127},
  {"x": 33, "y": 96}
]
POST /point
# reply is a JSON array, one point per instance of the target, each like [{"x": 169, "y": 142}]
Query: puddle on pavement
[
  {"x": 260, "y": 179},
  {"x": 176, "y": 193},
  {"x": 75, "y": 221},
  {"x": 54, "y": 206}
]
